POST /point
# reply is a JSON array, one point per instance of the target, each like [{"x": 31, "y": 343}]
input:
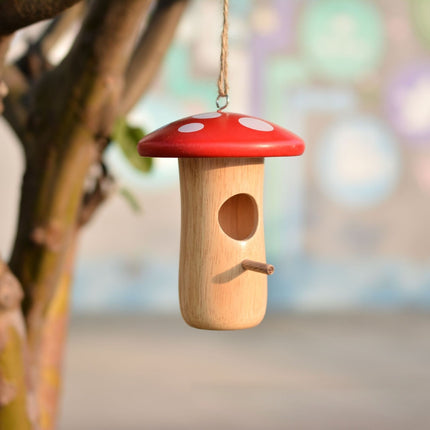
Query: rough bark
[
  {"x": 16, "y": 404},
  {"x": 16, "y": 14},
  {"x": 53, "y": 344}
]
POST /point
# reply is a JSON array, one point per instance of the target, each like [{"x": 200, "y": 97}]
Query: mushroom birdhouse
[{"x": 222, "y": 269}]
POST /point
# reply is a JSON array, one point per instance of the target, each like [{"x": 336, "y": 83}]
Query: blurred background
[{"x": 345, "y": 343}]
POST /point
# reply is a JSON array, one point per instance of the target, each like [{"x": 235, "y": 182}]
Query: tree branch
[
  {"x": 53, "y": 342},
  {"x": 4, "y": 46},
  {"x": 34, "y": 63},
  {"x": 60, "y": 25},
  {"x": 100, "y": 191},
  {"x": 66, "y": 129},
  {"x": 15, "y": 111},
  {"x": 150, "y": 50},
  {"x": 17, "y": 14},
  {"x": 14, "y": 378},
  {"x": 66, "y": 132},
  {"x": 29, "y": 68}
]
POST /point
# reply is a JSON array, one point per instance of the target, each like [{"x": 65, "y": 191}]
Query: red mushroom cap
[{"x": 220, "y": 134}]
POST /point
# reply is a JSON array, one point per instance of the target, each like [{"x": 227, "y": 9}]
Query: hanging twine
[{"x": 222, "y": 79}]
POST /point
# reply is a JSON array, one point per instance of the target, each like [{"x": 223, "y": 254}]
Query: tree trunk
[
  {"x": 73, "y": 109},
  {"x": 16, "y": 402},
  {"x": 64, "y": 117}
]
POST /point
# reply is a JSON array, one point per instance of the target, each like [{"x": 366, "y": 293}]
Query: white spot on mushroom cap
[
  {"x": 256, "y": 124},
  {"x": 207, "y": 115},
  {"x": 191, "y": 127}
]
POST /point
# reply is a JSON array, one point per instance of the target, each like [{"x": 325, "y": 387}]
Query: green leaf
[
  {"x": 127, "y": 137},
  {"x": 131, "y": 199}
]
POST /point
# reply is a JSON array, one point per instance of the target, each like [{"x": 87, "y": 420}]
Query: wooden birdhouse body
[
  {"x": 221, "y": 225},
  {"x": 221, "y": 168}
]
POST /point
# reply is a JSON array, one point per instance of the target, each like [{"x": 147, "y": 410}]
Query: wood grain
[
  {"x": 215, "y": 291},
  {"x": 259, "y": 267}
]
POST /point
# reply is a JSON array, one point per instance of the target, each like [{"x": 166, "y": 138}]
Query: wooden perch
[{"x": 256, "y": 266}]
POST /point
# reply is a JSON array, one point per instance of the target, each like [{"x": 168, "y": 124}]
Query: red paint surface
[{"x": 221, "y": 137}]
